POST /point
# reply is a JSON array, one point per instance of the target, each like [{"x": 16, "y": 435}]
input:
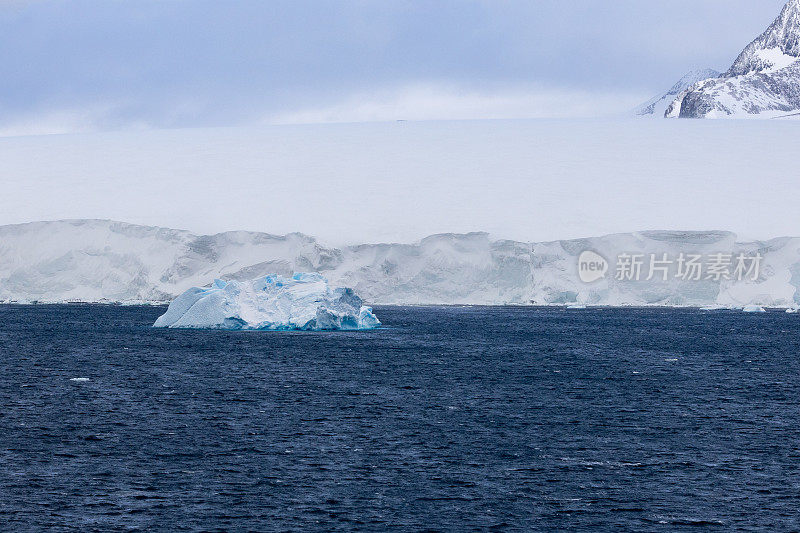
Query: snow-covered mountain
[
  {"x": 105, "y": 261},
  {"x": 763, "y": 81},
  {"x": 658, "y": 105}
]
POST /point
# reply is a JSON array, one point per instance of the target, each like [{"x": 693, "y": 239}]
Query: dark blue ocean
[{"x": 449, "y": 419}]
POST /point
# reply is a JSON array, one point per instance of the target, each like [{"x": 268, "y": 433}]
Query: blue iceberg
[{"x": 302, "y": 302}]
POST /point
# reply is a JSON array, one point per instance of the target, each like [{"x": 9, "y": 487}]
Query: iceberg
[
  {"x": 753, "y": 309},
  {"x": 301, "y": 302}
]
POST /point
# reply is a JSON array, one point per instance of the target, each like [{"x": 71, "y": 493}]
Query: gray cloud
[{"x": 96, "y": 64}]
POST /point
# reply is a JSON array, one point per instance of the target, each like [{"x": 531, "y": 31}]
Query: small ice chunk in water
[
  {"x": 79, "y": 380},
  {"x": 753, "y": 309}
]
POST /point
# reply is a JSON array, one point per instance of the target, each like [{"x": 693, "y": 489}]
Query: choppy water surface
[{"x": 450, "y": 419}]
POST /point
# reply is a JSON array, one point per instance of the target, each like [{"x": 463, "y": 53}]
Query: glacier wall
[{"x": 106, "y": 261}]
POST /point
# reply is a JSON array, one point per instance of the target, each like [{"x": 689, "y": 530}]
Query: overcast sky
[{"x": 98, "y": 64}]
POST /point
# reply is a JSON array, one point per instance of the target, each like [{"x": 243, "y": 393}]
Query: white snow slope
[
  {"x": 657, "y": 107},
  {"x": 105, "y": 261},
  {"x": 527, "y": 180},
  {"x": 764, "y": 81}
]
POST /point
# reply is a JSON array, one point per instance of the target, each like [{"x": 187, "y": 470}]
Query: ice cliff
[
  {"x": 104, "y": 261},
  {"x": 301, "y": 302}
]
